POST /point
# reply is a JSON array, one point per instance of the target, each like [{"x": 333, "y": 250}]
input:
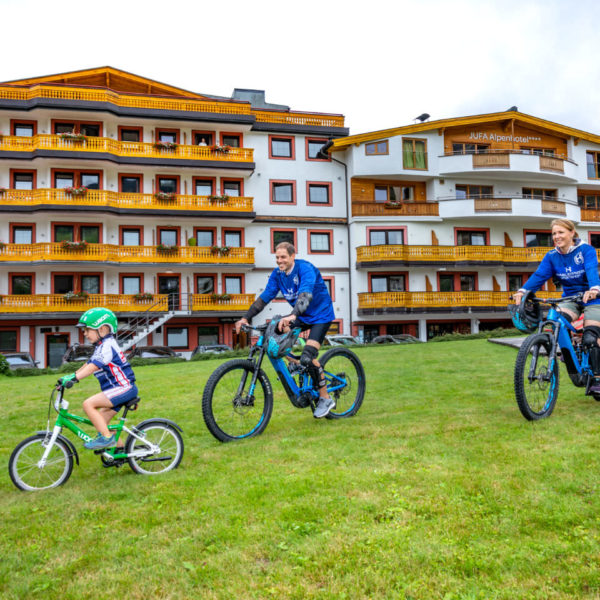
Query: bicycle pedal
[{"x": 117, "y": 462}]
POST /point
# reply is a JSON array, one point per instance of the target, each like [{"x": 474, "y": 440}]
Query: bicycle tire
[
  {"x": 537, "y": 398},
  {"x": 23, "y": 469},
  {"x": 229, "y": 415},
  {"x": 342, "y": 365},
  {"x": 163, "y": 435}
]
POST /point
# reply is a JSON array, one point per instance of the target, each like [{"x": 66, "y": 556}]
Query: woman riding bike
[{"x": 574, "y": 264}]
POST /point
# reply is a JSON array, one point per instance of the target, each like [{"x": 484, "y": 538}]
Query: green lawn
[{"x": 438, "y": 488}]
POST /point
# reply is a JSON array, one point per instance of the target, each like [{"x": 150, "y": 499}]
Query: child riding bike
[{"x": 110, "y": 367}]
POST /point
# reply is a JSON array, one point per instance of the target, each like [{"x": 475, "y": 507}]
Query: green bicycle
[{"x": 45, "y": 460}]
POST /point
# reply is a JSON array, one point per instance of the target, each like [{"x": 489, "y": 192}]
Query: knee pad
[
  {"x": 309, "y": 353},
  {"x": 591, "y": 333}
]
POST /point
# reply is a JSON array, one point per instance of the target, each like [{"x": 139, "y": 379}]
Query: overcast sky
[{"x": 380, "y": 63}]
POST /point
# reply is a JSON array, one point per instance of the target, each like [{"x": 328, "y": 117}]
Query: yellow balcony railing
[
  {"x": 126, "y": 149},
  {"x": 45, "y": 303},
  {"x": 383, "y": 300},
  {"x": 54, "y": 251},
  {"x": 168, "y": 104},
  {"x": 106, "y": 198},
  {"x": 441, "y": 254}
]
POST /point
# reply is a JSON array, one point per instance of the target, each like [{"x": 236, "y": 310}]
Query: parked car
[
  {"x": 20, "y": 360},
  {"x": 342, "y": 340},
  {"x": 403, "y": 338},
  {"x": 152, "y": 352},
  {"x": 211, "y": 349},
  {"x": 78, "y": 353}
]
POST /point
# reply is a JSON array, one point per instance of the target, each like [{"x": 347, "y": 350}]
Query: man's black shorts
[{"x": 318, "y": 331}]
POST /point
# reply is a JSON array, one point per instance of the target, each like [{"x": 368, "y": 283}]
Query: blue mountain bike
[
  {"x": 537, "y": 366},
  {"x": 238, "y": 398}
]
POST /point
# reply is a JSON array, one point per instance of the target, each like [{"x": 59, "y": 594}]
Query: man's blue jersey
[
  {"x": 577, "y": 270},
  {"x": 115, "y": 371},
  {"x": 305, "y": 277}
]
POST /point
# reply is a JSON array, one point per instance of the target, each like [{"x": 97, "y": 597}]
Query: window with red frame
[
  {"x": 232, "y": 238},
  {"x": 388, "y": 283},
  {"x": 21, "y": 284},
  {"x": 72, "y": 232},
  {"x": 23, "y": 180},
  {"x": 320, "y": 242},
  {"x": 232, "y": 284},
  {"x": 22, "y": 234},
  {"x": 231, "y": 139},
  {"x": 23, "y": 128},
  {"x": 281, "y": 147},
  {"x": 90, "y": 129},
  {"x": 205, "y": 284},
  {"x": 131, "y": 284},
  {"x": 167, "y": 135},
  {"x": 313, "y": 147},
  {"x": 89, "y": 179},
  {"x": 167, "y": 185},
  {"x": 319, "y": 193},
  {"x": 282, "y": 235},
  {"x": 130, "y": 184},
  {"x": 232, "y": 188},
  {"x": 471, "y": 237},
  {"x": 62, "y": 283},
  {"x": 130, "y": 134},
  {"x": 457, "y": 282},
  {"x": 9, "y": 339}
]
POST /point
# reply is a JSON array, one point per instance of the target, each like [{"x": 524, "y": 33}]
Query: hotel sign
[{"x": 494, "y": 137}]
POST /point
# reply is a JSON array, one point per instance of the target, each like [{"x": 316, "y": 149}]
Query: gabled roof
[
  {"x": 555, "y": 128},
  {"x": 109, "y": 77}
]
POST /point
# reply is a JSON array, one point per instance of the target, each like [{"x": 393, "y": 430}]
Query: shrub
[
  {"x": 499, "y": 332},
  {"x": 4, "y": 368}
]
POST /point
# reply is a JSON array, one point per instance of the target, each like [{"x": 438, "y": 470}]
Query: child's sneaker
[{"x": 101, "y": 442}]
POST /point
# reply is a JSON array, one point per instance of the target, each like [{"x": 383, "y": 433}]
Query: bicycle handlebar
[
  {"x": 248, "y": 328},
  {"x": 576, "y": 297}
]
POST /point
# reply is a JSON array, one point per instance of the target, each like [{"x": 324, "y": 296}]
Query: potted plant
[
  {"x": 192, "y": 241},
  {"x": 167, "y": 249},
  {"x": 220, "y": 149},
  {"x": 2, "y": 191},
  {"x": 72, "y": 136},
  {"x": 2, "y": 246},
  {"x": 165, "y": 196},
  {"x": 76, "y": 191},
  {"x": 222, "y": 198},
  {"x": 161, "y": 145},
  {"x": 69, "y": 245},
  {"x": 76, "y": 296},
  {"x": 220, "y": 250},
  {"x": 143, "y": 297},
  {"x": 220, "y": 297}
]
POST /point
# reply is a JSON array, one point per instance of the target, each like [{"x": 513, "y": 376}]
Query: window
[
  {"x": 313, "y": 147},
  {"x": 89, "y": 179},
  {"x": 231, "y": 139},
  {"x": 130, "y": 134},
  {"x": 208, "y": 335},
  {"x": 205, "y": 284},
  {"x": 282, "y": 235},
  {"x": 203, "y": 187},
  {"x": 539, "y": 151},
  {"x": 131, "y": 284},
  {"x": 319, "y": 193},
  {"x": 22, "y": 234},
  {"x": 63, "y": 283},
  {"x": 539, "y": 194},
  {"x": 205, "y": 237},
  {"x": 595, "y": 240},
  {"x": 231, "y": 188},
  {"x": 168, "y": 185},
  {"x": 330, "y": 285},
  {"x": 283, "y": 192},
  {"x": 63, "y": 180},
  {"x": 8, "y": 340},
  {"x": 130, "y": 184},
  {"x": 76, "y": 232},
  {"x": 168, "y": 237},
  {"x": 167, "y": 135},
  {"x": 23, "y": 181},
  {"x": 589, "y": 201},
  {"x": 516, "y": 281},
  {"x": 63, "y": 127},
  {"x": 386, "y": 237},
  {"x": 232, "y": 284},
  {"x": 460, "y": 148},
  {"x": 457, "y": 282},
  {"x": 90, "y": 234},
  {"x": 464, "y": 192},
  {"x": 593, "y": 170},
  {"x": 21, "y": 284},
  {"x": 538, "y": 238},
  {"x": 23, "y": 129},
  {"x": 203, "y": 138},
  {"x": 414, "y": 153},
  {"x": 232, "y": 238},
  {"x": 90, "y": 284},
  {"x": 131, "y": 236},
  {"x": 394, "y": 193},
  {"x": 281, "y": 147},
  {"x": 89, "y": 129},
  {"x": 93, "y": 129},
  {"x": 388, "y": 283},
  {"x": 374, "y": 148},
  {"x": 177, "y": 337},
  {"x": 472, "y": 237},
  {"x": 319, "y": 242}
]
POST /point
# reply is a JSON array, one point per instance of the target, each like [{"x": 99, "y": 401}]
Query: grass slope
[{"x": 438, "y": 488}]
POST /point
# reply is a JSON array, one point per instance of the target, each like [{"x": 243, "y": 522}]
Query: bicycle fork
[{"x": 53, "y": 437}]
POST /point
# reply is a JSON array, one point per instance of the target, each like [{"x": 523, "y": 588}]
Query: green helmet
[{"x": 94, "y": 318}]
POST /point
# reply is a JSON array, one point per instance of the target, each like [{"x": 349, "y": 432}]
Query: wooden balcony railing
[
  {"x": 382, "y": 300},
  {"x": 381, "y": 209},
  {"x": 449, "y": 254},
  {"x": 126, "y": 149},
  {"x": 168, "y": 104},
  {"x": 45, "y": 303},
  {"x": 590, "y": 214},
  {"x": 54, "y": 251},
  {"x": 106, "y": 198},
  {"x": 491, "y": 160}
]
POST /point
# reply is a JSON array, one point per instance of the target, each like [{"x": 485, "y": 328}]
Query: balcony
[
  {"x": 119, "y": 202},
  {"x": 387, "y": 209},
  {"x": 122, "y": 152},
  {"x": 120, "y": 303},
  {"x": 45, "y": 252},
  {"x": 498, "y": 163},
  {"x": 374, "y": 256},
  {"x": 376, "y": 303}
]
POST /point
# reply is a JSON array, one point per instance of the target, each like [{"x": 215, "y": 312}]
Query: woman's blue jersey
[
  {"x": 115, "y": 371},
  {"x": 577, "y": 270},
  {"x": 305, "y": 277}
]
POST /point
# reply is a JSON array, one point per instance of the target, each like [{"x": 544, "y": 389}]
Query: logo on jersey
[
  {"x": 296, "y": 280},
  {"x": 578, "y": 258}
]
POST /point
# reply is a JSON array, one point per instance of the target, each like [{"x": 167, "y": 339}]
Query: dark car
[
  {"x": 211, "y": 349},
  {"x": 152, "y": 352},
  {"x": 78, "y": 353},
  {"x": 20, "y": 360},
  {"x": 402, "y": 338}
]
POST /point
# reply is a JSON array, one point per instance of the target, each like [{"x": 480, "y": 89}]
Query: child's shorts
[{"x": 118, "y": 397}]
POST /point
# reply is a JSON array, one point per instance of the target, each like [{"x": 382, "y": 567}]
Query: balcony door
[
  {"x": 169, "y": 284},
  {"x": 56, "y": 346}
]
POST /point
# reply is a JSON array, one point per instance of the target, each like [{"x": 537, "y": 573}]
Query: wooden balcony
[
  {"x": 494, "y": 161},
  {"x": 54, "y": 303},
  {"x": 415, "y": 302},
  {"x": 101, "y": 145},
  {"x": 109, "y": 253},
  {"x": 106, "y": 199},
  {"x": 405, "y": 209},
  {"x": 370, "y": 256},
  {"x": 171, "y": 104},
  {"x": 590, "y": 215}
]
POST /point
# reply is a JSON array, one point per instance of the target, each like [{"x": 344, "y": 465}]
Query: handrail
[
  {"x": 506, "y": 151},
  {"x": 504, "y": 197}
]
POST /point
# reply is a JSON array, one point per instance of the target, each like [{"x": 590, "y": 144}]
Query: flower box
[
  {"x": 220, "y": 149},
  {"x": 76, "y": 191},
  {"x": 218, "y": 199},
  {"x": 143, "y": 297},
  {"x": 220, "y": 297},
  {"x": 220, "y": 250},
  {"x": 166, "y": 249},
  {"x": 76, "y": 296},
  {"x": 391, "y": 204},
  {"x": 165, "y": 196},
  {"x": 69, "y": 245},
  {"x": 165, "y": 145},
  {"x": 72, "y": 136}
]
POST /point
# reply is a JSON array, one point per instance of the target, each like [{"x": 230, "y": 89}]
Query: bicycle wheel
[
  {"x": 228, "y": 410},
  {"x": 23, "y": 464},
  {"x": 346, "y": 382},
  {"x": 536, "y": 381},
  {"x": 166, "y": 458}
]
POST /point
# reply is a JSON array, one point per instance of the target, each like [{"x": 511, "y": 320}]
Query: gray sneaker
[
  {"x": 101, "y": 442},
  {"x": 324, "y": 406}
]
